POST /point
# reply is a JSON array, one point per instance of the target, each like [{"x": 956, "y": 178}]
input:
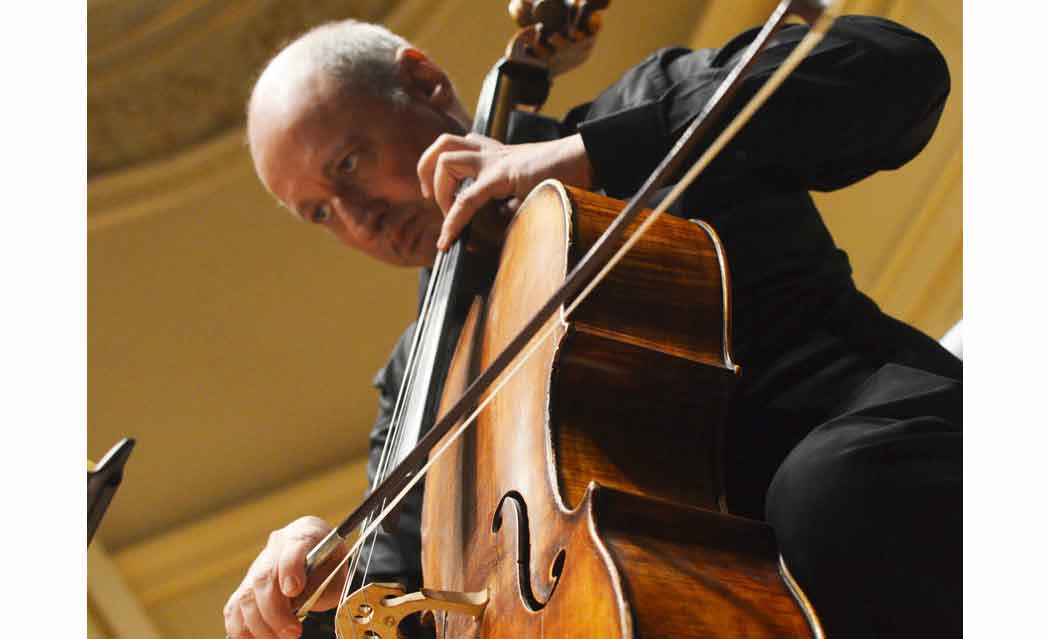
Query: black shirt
[{"x": 866, "y": 99}]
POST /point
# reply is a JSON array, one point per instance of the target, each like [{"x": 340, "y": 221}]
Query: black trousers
[{"x": 867, "y": 509}]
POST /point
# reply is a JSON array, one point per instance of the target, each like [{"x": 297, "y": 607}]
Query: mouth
[
  {"x": 379, "y": 223},
  {"x": 420, "y": 231},
  {"x": 405, "y": 236}
]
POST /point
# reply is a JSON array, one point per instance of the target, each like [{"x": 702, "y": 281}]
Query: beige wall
[{"x": 215, "y": 336}]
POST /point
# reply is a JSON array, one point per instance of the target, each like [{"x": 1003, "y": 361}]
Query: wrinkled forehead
[
  {"x": 289, "y": 90},
  {"x": 289, "y": 99}
]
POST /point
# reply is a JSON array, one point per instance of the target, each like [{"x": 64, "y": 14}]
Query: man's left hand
[{"x": 499, "y": 171}]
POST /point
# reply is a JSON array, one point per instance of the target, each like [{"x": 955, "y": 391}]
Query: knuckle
[
  {"x": 446, "y": 139},
  {"x": 234, "y": 626},
  {"x": 466, "y": 199},
  {"x": 304, "y": 529},
  {"x": 310, "y": 521},
  {"x": 233, "y": 604},
  {"x": 302, "y": 536},
  {"x": 263, "y": 578}
]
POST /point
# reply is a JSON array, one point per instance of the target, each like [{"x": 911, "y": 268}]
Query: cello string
[
  {"x": 394, "y": 437},
  {"x": 813, "y": 37},
  {"x": 375, "y": 535},
  {"x": 403, "y": 396},
  {"x": 438, "y": 287},
  {"x": 435, "y": 455}
]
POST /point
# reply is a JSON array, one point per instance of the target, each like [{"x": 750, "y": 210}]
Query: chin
[
  {"x": 411, "y": 261},
  {"x": 425, "y": 261}
]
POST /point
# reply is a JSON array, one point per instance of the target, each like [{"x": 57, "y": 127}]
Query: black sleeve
[
  {"x": 395, "y": 557},
  {"x": 867, "y": 98}
]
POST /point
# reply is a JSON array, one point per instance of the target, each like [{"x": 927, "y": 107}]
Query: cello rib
[
  {"x": 693, "y": 573},
  {"x": 657, "y": 434},
  {"x": 573, "y": 499}
]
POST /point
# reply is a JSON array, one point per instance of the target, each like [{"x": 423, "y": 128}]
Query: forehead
[
  {"x": 288, "y": 95},
  {"x": 294, "y": 118}
]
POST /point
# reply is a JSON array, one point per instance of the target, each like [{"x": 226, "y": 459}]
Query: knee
[
  {"x": 867, "y": 512},
  {"x": 869, "y": 479}
]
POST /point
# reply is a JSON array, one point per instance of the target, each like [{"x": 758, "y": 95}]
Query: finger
[
  {"x": 234, "y": 621},
  {"x": 558, "y": 41},
  {"x": 296, "y": 541},
  {"x": 427, "y": 162},
  {"x": 466, "y": 205},
  {"x": 257, "y": 627},
  {"x": 274, "y": 607},
  {"x": 452, "y": 168},
  {"x": 482, "y": 140}
]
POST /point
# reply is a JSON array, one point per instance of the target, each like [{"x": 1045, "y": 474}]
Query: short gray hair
[{"x": 360, "y": 55}]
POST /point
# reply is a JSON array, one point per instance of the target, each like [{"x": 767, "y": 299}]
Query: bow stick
[{"x": 591, "y": 269}]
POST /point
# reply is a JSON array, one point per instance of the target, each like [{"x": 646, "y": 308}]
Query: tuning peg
[
  {"x": 521, "y": 12},
  {"x": 552, "y": 14}
]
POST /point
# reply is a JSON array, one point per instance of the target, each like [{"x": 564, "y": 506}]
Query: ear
[{"x": 424, "y": 80}]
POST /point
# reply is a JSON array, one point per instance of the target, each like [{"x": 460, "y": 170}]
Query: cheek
[
  {"x": 339, "y": 226},
  {"x": 341, "y": 234},
  {"x": 409, "y": 176},
  {"x": 398, "y": 181}
]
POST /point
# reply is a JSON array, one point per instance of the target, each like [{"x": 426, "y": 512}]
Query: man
[{"x": 845, "y": 430}]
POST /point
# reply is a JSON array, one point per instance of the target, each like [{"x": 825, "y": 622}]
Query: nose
[{"x": 362, "y": 217}]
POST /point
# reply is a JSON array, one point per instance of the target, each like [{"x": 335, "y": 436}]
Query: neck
[{"x": 458, "y": 116}]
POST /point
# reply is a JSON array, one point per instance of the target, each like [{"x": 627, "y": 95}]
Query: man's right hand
[{"x": 261, "y": 607}]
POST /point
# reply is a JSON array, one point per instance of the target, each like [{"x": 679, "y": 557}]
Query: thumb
[{"x": 292, "y": 563}]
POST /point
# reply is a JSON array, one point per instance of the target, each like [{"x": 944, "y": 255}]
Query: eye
[
  {"x": 321, "y": 214},
  {"x": 348, "y": 164}
]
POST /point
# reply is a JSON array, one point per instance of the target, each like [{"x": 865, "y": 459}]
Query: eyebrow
[
  {"x": 352, "y": 142},
  {"x": 303, "y": 205}
]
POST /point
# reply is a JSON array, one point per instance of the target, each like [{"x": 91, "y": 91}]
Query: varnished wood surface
[
  {"x": 670, "y": 416},
  {"x": 507, "y": 452},
  {"x": 511, "y": 508},
  {"x": 699, "y": 573},
  {"x": 667, "y": 294}
]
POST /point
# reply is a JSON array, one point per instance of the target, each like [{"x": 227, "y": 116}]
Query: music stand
[{"x": 102, "y": 483}]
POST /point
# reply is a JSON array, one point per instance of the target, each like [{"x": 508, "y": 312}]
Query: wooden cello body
[{"x": 585, "y": 499}]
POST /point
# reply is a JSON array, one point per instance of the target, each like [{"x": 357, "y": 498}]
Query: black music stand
[{"x": 103, "y": 481}]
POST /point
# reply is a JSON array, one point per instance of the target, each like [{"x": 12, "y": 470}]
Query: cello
[{"x": 556, "y": 505}]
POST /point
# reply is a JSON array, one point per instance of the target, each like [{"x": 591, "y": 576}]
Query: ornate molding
[{"x": 167, "y": 75}]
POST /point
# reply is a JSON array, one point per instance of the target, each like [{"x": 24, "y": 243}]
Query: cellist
[{"x": 845, "y": 429}]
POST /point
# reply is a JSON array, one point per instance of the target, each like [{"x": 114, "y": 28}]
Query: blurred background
[{"x": 238, "y": 345}]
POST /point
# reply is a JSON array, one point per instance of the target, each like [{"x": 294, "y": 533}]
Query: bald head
[
  {"x": 360, "y": 58},
  {"x": 336, "y": 125},
  {"x": 354, "y": 58}
]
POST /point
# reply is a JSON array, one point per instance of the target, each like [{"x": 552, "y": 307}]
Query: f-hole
[{"x": 524, "y": 573}]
